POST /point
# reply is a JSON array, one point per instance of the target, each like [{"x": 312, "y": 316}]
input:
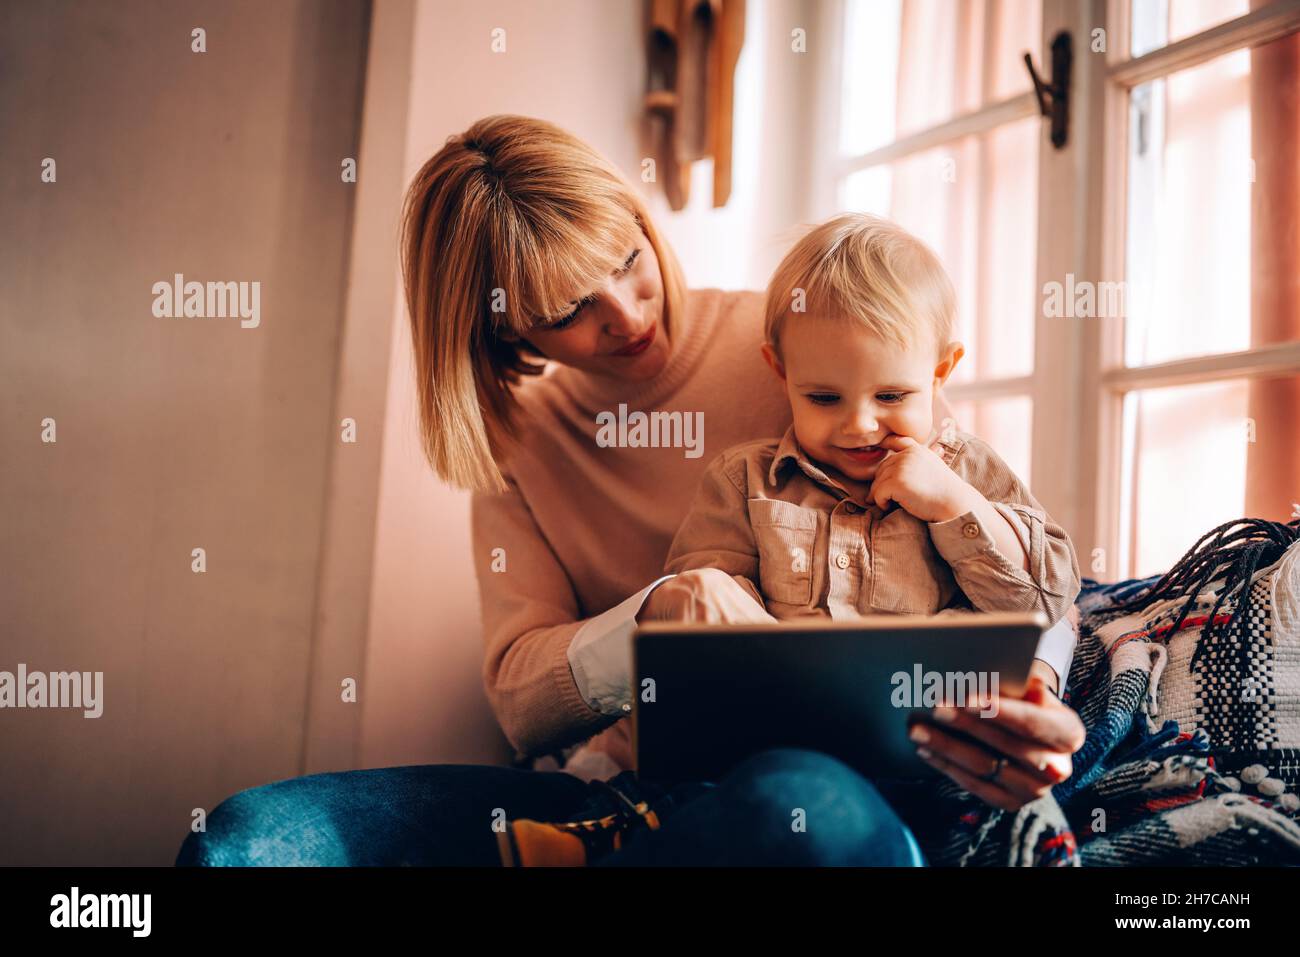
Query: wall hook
[{"x": 1054, "y": 97}]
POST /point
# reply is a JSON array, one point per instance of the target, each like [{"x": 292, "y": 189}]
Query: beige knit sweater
[{"x": 584, "y": 525}]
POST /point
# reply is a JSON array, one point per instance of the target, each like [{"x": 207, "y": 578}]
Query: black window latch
[{"x": 1054, "y": 97}]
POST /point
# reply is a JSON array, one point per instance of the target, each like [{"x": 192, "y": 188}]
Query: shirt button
[
  {"x": 851, "y": 508},
  {"x": 970, "y": 530},
  {"x": 842, "y": 560}
]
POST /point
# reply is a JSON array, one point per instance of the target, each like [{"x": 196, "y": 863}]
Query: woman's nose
[{"x": 622, "y": 316}]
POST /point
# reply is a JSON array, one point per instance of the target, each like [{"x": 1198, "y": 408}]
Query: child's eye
[
  {"x": 627, "y": 263},
  {"x": 891, "y": 397},
  {"x": 823, "y": 398}
]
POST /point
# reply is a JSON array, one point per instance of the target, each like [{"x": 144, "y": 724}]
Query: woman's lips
[
  {"x": 639, "y": 345},
  {"x": 866, "y": 454}
]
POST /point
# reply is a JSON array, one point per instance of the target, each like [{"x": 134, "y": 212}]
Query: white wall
[{"x": 172, "y": 434}]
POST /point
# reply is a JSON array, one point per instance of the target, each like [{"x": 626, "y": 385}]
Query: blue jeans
[{"x": 781, "y": 807}]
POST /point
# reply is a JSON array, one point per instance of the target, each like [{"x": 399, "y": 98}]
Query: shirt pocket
[
  {"x": 786, "y": 536},
  {"x": 908, "y": 575}
]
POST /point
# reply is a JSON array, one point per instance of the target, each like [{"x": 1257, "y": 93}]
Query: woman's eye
[
  {"x": 548, "y": 325},
  {"x": 822, "y": 398},
  {"x": 572, "y": 317}
]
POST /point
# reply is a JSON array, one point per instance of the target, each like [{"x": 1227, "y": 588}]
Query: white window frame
[{"x": 1079, "y": 379}]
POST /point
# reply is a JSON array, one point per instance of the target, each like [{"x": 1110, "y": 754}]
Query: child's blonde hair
[
  {"x": 865, "y": 268},
  {"x": 510, "y": 222}
]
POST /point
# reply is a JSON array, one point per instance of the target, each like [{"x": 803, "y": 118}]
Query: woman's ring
[{"x": 998, "y": 765}]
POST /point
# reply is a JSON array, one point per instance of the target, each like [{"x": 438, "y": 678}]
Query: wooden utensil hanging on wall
[{"x": 693, "y": 47}]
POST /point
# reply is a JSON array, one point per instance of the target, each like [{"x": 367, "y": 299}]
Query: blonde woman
[{"x": 568, "y": 378}]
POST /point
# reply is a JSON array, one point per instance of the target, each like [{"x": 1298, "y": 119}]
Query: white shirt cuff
[
  {"x": 1056, "y": 647},
  {"x": 600, "y": 655}
]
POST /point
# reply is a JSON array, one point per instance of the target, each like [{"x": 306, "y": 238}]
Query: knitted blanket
[{"x": 1142, "y": 793}]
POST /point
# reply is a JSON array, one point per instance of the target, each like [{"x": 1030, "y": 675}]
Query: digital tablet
[{"x": 708, "y": 696}]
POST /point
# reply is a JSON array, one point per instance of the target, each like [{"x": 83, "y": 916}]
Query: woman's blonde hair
[
  {"x": 862, "y": 267},
  {"x": 510, "y": 222}
]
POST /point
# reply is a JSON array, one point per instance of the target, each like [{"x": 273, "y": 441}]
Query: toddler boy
[{"x": 866, "y": 505}]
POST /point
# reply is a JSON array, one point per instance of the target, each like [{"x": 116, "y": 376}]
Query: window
[
  {"x": 1204, "y": 365},
  {"x": 938, "y": 131},
  {"x": 1130, "y": 304}
]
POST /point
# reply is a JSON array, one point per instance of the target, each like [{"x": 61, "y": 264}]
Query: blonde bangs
[
  {"x": 547, "y": 261},
  {"x": 506, "y": 226}
]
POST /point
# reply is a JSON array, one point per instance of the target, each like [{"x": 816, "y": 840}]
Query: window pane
[
  {"x": 1155, "y": 23},
  {"x": 1006, "y": 424},
  {"x": 1003, "y": 333},
  {"x": 975, "y": 203},
  {"x": 911, "y": 64},
  {"x": 1015, "y": 27},
  {"x": 870, "y": 92},
  {"x": 1200, "y": 267},
  {"x": 1186, "y": 469}
]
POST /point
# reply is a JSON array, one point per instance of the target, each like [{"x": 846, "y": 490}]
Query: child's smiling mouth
[{"x": 865, "y": 454}]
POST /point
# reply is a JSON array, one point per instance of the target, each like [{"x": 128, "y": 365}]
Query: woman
[{"x": 569, "y": 379}]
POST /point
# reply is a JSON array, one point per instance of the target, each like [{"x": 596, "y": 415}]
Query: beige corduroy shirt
[{"x": 796, "y": 539}]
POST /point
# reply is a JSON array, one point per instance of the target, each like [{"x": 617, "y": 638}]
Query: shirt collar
[{"x": 789, "y": 450}]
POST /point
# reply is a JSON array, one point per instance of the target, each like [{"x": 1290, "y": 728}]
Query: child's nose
[{"x": 862, "y": 421}]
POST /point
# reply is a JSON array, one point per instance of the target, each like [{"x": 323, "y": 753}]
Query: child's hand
[
  {"x": 707, "y": 595},
  {"x": 920, "y": 481}
]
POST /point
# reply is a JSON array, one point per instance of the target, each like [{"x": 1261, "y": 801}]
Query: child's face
[{"x": 849, "y": 389}]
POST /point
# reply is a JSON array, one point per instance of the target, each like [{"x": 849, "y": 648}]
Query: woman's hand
[
  {"x": 706, "y": 595},
  {"x": 1036, "y": 734},
  {"x": 1042, "y": 669}
]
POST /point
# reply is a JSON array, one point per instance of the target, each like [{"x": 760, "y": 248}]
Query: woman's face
[{"x": 617, "y": 328}]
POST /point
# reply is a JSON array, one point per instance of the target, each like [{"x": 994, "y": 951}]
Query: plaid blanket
[{"x": 1142, "y": 792}]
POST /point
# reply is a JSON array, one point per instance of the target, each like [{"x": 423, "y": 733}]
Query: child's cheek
[
  {"x": 821, "y": 424},
  {"x": 914, "y": 423}
]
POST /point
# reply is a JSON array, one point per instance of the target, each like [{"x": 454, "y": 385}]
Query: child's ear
[
  {"x": 773, "y": 360},
  {"x": 951, "y": 356}
]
